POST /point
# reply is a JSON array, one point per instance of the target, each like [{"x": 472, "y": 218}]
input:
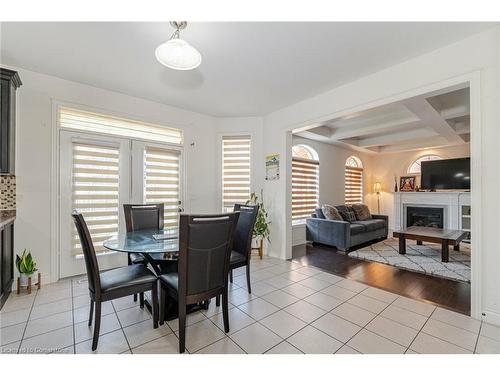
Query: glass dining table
[{"x": 160, "y": 249}]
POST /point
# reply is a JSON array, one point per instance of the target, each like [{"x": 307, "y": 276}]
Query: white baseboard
[{"x": 492, "y": 317}]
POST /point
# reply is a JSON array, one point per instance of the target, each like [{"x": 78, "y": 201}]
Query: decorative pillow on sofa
[
  {"x": 361, "y": 211},
  {"x": 346, "y": 212},
  {"x": 331, "y": 212}
]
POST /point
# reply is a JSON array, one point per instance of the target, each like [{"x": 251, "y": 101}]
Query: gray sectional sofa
[{"x": 343, "y": 234}]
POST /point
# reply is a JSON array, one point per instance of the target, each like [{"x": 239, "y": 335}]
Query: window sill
[{"x": 299, "y": 223}]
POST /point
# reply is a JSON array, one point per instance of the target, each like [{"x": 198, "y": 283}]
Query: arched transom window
[
  {"x": 353, "y": 180},
  {"x": 416, "y": 166},
  {"x": 305, "y": 181}
]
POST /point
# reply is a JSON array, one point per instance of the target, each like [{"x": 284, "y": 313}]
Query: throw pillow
[
  {"x": 361, "y": 211},
  {"x": 347, "y": 213},
  {"x": 331, "y": 212}
]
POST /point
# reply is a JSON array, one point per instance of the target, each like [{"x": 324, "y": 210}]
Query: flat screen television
[{"x": 446, "y": 174}]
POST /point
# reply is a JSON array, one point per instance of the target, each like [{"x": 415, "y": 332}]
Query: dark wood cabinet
[
  {"x": 9, "y": 82},
  {"x": 7, "y": 261}
]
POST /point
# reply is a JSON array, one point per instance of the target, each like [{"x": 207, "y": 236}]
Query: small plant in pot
[
  {"x": 261, "y": 228},
  {"x": 26, "y": 267}
]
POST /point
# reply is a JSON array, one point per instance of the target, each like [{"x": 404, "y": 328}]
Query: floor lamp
[{"x": 377, "y": 188}]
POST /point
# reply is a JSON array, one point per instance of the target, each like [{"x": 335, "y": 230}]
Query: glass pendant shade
[{"x": 178, "y": 54}]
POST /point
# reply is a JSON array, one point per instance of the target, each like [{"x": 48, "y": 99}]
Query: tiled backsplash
[{"x": 7, "y": 192}]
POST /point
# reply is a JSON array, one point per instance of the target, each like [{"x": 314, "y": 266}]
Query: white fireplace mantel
[{"x": 451, "y": 202}]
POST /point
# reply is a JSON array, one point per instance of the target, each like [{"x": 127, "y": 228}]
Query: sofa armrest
[
  {"x": 331, "y": 232},
  {"x": 386, "y": 219},
  {"x": 383, "y": 217}
]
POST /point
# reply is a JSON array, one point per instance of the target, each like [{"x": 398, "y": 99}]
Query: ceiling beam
[
  {"x": 363, "y": 130},
  {"x": 430, "y": 117},
  {"x": 396, "y": 137}
]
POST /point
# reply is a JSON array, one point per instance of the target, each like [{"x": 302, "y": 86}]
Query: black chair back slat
[
  {"x": 143, "y": 216},
  {"x": 244, "y": 229},
  {"x": 89, "y": 255}
]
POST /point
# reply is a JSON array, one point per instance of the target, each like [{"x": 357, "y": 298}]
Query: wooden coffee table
[{"x": 445, "y": 237}]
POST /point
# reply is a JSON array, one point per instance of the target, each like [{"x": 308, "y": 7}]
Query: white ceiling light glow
[{"x": 177, "y": 53}]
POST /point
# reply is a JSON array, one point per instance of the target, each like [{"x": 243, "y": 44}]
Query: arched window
[
  {"x": 353, "y": 180},
  {"x": 416, "y": 166},
  {"x": 305, "y": 181}
]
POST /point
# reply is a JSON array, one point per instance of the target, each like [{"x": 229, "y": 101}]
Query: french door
[{"x": 98, "y": 174}]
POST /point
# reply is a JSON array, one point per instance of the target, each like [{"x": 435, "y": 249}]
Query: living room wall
[
  {"x": 331, "y": 170},
  {"x": 331, "y": 177},
  {"x": 386, "y": 166}
]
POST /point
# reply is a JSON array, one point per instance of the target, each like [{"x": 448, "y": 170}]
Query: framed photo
[
  {"x": 407, "y": 183},
  {"x": 273, "y": 167}
]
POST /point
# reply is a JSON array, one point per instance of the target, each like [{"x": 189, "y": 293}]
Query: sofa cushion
[
  {"x": 361, "y": 211},
  {"x": 331, "y": 212},
  {"x": 371, "y": 225},
  {"x": 357, "y": 229},
  {"x": 346, "y": 212},
  {"x": 319, "y": 213}
]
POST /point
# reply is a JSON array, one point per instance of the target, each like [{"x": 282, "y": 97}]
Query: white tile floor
[{"x": 292, "y": 309}]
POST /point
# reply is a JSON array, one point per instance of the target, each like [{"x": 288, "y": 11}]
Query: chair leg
[
  {"x": 163, "y": 300},
  {"x": 129, "y": 262},
  {"x": 154, "y": 297},
  {"x": 249, "y": 287},
  {"x": 225, "y": 310},
  {"x": 141, "y": 300},
  {"x": 91, "y": 313},
  {"x": 231, "y": 276},
  {"x": 97, "y": 324},
  {"x": 182, "y": 327},
  {"x": 217, "y": 300}
]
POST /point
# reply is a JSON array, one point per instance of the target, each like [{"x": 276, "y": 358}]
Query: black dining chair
[
  {"x": 242, "y": 242},
  {"x": 142, "y": 217},
  {"x": 205, "y": 243},
  {"x": 116, "y": 283}
]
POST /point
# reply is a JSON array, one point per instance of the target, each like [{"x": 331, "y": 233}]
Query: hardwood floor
[{"x": 446, "y": 293}]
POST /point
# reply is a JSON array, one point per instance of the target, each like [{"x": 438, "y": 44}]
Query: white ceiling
[
  {"x": 247, "y": 68},
  {"x": 432, "y": 120}
]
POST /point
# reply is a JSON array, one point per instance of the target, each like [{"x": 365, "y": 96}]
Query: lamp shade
[
  {"x": 178, "y": 54},
  {"x": 377, "y": 187}
]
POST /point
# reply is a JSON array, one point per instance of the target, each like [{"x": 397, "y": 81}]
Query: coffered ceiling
[{"x": 427, "y": 121}]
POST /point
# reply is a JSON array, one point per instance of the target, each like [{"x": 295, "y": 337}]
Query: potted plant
[
  {"x": 26, "y": 267},
  {"x": 261, "y": 228}
]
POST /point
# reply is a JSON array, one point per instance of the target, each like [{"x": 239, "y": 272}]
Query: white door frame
[
  {"x": 66, "y": 139},
  {"x": 54, "y": 273},
  {"x": 473, "y": 80}
]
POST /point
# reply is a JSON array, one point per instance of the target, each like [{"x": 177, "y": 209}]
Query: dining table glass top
[{"x": 144, "y": 241}]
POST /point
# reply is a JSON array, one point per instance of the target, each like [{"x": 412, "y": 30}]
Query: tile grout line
[
  {"x": 419, "y": 331},
  {"x": 73, "y": 318},
  {"x": 121, "y": 326},
  {"x": 27, "y": 321},
  {"x": 477, "y": 338}
]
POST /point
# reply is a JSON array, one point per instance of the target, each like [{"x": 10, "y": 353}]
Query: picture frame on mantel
[{"x": 407, "y": 183}]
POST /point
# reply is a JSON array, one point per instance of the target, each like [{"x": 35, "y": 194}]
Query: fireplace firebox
[{"x": 432, "y": 217}]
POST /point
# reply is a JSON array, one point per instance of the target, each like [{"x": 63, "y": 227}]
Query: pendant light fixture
[{"x": 176, "y": 53}]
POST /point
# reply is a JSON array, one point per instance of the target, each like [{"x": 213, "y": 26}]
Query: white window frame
[{"x": 253, "y": 163}]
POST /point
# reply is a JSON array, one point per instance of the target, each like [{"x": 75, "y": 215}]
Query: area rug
[{"x": 424, "y": 258}]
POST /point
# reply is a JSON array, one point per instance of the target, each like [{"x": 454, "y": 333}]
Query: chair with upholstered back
[
  {"x": 116, "y": 283},
  {"x": 242, "y": 244},
  {"x": 205, "y": 243},
  {"x": 142, "y": 217}
]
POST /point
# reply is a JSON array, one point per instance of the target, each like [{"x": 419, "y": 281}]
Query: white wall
[
  {"x": 386, "y": 166},
  {"x": 33, "y": 228},
  {"x": 478, "y": 53}
]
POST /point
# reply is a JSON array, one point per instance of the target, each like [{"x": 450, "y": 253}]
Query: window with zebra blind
[
  {"x": 236, "y": 170},
  {"x": 162, "y": 182},
  {"x": 95, "y": 191},
  {"x": 305, "y": 181},
  {"x": 353, "y": 180}
]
